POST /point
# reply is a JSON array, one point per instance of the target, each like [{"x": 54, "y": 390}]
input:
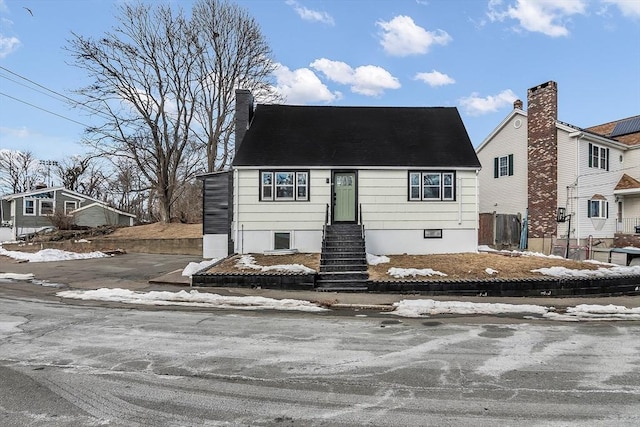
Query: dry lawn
[
  {"x": 455, "y": 266},
  {"x": 158, "y": 230}
]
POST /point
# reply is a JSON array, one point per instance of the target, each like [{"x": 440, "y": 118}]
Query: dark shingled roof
[{"x": 283, "y": 135}]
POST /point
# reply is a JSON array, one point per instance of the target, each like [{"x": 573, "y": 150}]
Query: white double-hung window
[
  {"x": 431, "y": 186},
  {"x": 284, "y": 185}
]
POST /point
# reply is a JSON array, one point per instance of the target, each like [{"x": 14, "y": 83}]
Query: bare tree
[
  {"x": 18, "y": 171},
  {"x": 166, "y": 88},
  {"x": 76, "y": 171},
  {"x": 233, "y": 53}
]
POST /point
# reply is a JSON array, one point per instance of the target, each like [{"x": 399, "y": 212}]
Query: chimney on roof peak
[
  {"x": 517, "y": 104},
  {"x": 244, "y": 114}
]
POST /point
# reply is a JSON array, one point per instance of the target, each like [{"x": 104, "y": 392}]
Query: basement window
[{"x": 281, "y": 240}]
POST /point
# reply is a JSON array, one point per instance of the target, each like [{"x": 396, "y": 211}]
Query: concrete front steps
[{"x": 343, "y": 261}]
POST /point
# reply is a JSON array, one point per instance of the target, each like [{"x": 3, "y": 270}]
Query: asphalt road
[{"x": 69, "y": 365}]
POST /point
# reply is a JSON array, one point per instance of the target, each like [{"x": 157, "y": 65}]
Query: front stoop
[{"x": 343, "y": 261}]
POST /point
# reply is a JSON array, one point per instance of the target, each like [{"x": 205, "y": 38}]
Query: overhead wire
[{"x": 47, "y": 91}]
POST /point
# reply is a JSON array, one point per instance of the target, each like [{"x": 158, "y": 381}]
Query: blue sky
[{"x": 477, "y": 55}]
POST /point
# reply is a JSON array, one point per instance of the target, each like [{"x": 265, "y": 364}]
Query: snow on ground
[
  {"x": 192, "y": 298},
  {"x": 400, "y": 273},
  {"x": 490, "y": 271},
  {"x": 193, "y": 267},
  {"x": 600, "y": 272},
  {"x": 247, "y": 261},
  {"x": 48, "y": 255},
  {"x": 377, "y": 259},
  {"x": 16, "y": 276},
  {"x": 429, "y": 307}
]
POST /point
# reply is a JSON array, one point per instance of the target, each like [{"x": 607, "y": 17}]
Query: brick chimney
[
  {"x": 542, "y": 152},
  {"x": 244, "y": 114},
  {"x": 517, "y": 104}
]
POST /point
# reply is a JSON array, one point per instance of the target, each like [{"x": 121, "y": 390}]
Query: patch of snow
[
  {"x": 16, "y": 276},
  {"x": 193, "y": 267},
  {"x": 596, "y": 312},
  {"x": 400, "y": 273},
  {"x": 248, "y": 261},
  {"x": 600, "y": 272},
  {"x": 485, "y": 248},
  {"x": 192, "y": 298},
  {"x": 48, "y": 255},
  {"x": 428, "y": 307},
  {"x": 490, "y": 271},
  {"x": 82, "y": 241},
  {"x": 377, "y": 259}
]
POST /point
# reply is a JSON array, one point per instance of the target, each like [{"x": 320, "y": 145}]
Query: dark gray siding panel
[{"x": 216, "y": 213}]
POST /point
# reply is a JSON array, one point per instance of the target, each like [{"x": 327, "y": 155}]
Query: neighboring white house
[
  {"x": 31, "y": 211},
  {"x": 535, "y": 165},
  {"x": 408, "y": 175}
]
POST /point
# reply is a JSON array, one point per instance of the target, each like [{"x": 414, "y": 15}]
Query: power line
[
  {"x": 44, "y": 109},
  {"x": 58, "y": 94}
]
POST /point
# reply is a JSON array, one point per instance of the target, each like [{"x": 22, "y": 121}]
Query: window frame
[
  {"x": 24, "y": 207},
  {"x": 598, "y": 157},
  {"x": 500, "y": 170},
  {"x": 43, "y": 201},
  {"x": 72, "y": 202},
  {"x": 446, "y": 192},
  {"x": 268, "y": 192},
  {"x": 603, "y": 209},
  {"x": 275, "y": 240}
]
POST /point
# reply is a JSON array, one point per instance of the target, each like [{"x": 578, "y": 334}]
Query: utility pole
[{"x": 48, "y": 164}]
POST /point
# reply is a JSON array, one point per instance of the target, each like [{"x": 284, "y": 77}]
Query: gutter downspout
[
  {"x": 577, "y": 208},
  {"x": 235, "y": 208}
]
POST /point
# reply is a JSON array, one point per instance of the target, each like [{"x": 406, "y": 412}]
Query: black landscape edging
[
  {"x": 529, "y": 287},
  {"x": 291, "y": 281}
]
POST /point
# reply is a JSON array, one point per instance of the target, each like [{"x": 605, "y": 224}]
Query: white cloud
[
  {"x": 311, "y": 15},
  {"x": 302, "y": 86},
  {"x": 548, "y": 17},
  {"x": 402, "y": 37},
  {"x": 22, "y": 132},
  {"x": 8, "y": 45},
  {"x": 369, "y": 80},
  {"x": 435, "y": 78},
  {"x": 476, "y": 106},
  {"x": 629, "y": 8}
]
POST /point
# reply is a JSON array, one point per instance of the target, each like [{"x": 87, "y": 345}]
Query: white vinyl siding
[
  {"x": 507, "y": 194},
  {"x": 383, "y": 195},
  {"x": 593, "y": 181},
  {"x": 255, "y": 214}
]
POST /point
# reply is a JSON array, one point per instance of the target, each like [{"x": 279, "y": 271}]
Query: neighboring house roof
[
  {"x": 301, "y": 136},
  {"x": 103, "y": 206},
  {"x": 626, "y": 130},
  {"x": 627, "y": 183},
  {"x": 48, "y": 189}
]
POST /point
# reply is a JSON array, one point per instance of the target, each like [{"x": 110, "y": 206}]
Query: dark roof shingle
[{"x": 282, "y": 135}]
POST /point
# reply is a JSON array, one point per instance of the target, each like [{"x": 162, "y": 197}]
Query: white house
[
  {"x": 408, "y": 176},
  {"x": 538, "y": 166}
]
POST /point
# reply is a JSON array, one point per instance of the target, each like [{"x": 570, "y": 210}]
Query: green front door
[{"x": 344, "y": 202}]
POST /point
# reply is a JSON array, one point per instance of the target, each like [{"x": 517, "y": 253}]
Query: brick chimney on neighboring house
[
  {"x": 517, "y": 104},
  {"x": 542, "y": 152},
  {"x": 244, "y": 114}
]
